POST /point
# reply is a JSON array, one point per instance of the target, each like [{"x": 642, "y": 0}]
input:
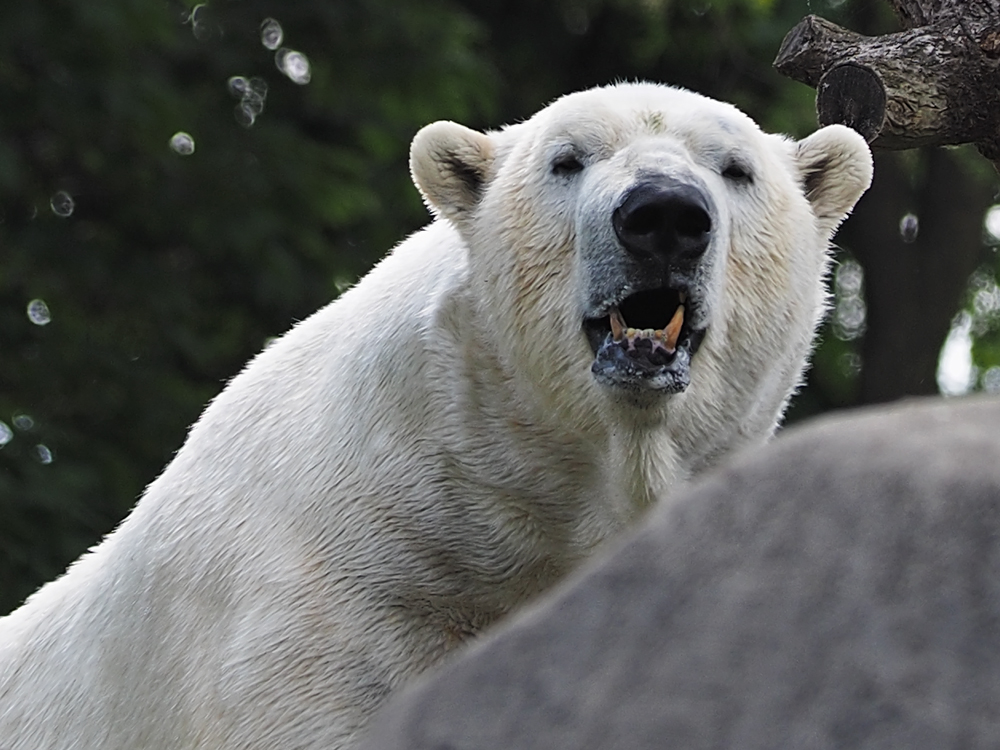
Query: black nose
[{"x": 671, "y": 221}]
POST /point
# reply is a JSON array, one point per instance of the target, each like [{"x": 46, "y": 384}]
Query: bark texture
[{"x": 936, "y": 83}]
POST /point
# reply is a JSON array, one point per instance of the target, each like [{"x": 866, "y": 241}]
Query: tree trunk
[{"x": 913, "y": 285}]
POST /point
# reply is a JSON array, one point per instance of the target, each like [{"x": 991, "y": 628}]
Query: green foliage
[
  {"x": 982, "y": 310},
  {"x": 173, "y": 270}
]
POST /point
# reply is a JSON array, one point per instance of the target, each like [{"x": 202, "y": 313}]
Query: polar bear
[{"x": 613, "y": 294}]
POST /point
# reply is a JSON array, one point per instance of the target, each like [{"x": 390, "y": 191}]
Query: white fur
[{"x": 422, "y": 456}]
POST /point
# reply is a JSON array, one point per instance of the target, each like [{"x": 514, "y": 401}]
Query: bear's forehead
[{"x": 625, "y": 111}]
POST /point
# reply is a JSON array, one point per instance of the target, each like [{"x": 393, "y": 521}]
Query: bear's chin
[{"x": 638, "y": 369}]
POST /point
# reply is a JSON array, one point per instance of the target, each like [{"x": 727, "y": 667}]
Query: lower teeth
[{"x": 666, "y": 338}]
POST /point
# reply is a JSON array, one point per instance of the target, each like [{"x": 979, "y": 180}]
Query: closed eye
[
  {"x": 737, "y": 173},
  {"x": 566, "y": 165}
]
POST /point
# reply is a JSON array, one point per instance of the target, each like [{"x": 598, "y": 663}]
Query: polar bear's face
[{"x": 635, "y": 231}]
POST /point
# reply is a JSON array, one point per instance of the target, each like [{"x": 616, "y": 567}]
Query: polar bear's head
[{"x": 643, "y": 241}]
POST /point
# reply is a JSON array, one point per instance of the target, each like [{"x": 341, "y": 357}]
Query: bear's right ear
[{"x": 451, "y": 165}]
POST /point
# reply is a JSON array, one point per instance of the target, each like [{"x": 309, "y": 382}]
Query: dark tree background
[{"x": 124, "y": 311}]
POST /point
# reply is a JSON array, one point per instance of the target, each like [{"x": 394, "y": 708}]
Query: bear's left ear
[
  {"x": 835, "y": 164},
  {"x": 451, "y": 165}
]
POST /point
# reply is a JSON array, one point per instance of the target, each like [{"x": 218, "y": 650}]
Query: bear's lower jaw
[{"x": 625, "y": 365}]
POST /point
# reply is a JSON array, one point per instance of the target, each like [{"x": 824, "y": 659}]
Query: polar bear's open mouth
[{"x": 645, "y": 342}]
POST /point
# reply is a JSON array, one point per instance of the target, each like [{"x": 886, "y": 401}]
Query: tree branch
[{"x": 936, "y": 83}]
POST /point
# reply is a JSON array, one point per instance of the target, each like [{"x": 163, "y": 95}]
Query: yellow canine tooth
[
  {"x": 617, "y": 324},
  {"x": 658, "y": 333},
  {"x": 673, "y": 330}
]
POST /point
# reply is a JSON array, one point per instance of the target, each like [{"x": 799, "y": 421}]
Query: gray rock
[{"x": 839, "y": 588}]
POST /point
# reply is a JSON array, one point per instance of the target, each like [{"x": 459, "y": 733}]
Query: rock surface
[{"x": 839, "y": 588}]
